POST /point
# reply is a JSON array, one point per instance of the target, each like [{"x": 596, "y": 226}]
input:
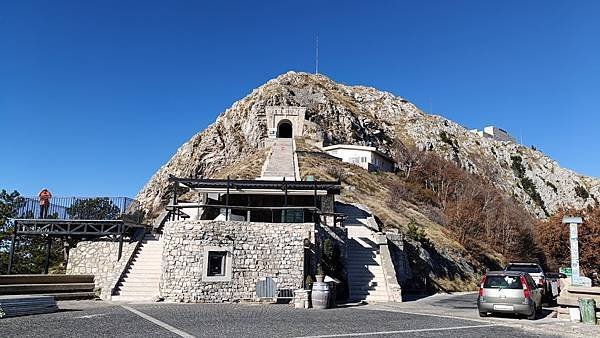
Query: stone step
[
  {"x": 148, "y": 277},
  {"x": 354, "y": 280},
  {"x": 143, "y": 278},
  {"x": 138, "y": 291},
  {"x": 147, "y": 260},
  {"x": 132, "y": 299},
  {"x": 366, "y": 282}
]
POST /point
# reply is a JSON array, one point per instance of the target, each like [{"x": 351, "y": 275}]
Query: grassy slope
[
  {"x": 370, "y": 189},
  {"x": 248, "y": 167}
]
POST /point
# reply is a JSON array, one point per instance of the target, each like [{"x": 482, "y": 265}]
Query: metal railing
[{"x": 81, "y": 208}]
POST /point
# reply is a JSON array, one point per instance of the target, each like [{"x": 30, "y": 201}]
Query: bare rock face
[{"x": 359, "y": 115}]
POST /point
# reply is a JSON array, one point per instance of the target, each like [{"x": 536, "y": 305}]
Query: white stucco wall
[{"x": 364, "y": 158}]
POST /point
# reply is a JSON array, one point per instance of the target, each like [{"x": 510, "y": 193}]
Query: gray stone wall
[
  {"x": 258, "y": 250},
  {"x": 399, "y": 257},
  {"x": 99, "y": 258}
]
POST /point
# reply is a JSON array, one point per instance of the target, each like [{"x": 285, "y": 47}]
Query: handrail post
[
  {"x": 284, "y": 200},
  {"x": 227, "y": 201},
  {"x": 315, "y": 200},
  {"x": 120, "y": 242},
  {"x": 174, "y": 200},
  {"x": 48, "y": 249},
  {"x": 12, "y": 250}
]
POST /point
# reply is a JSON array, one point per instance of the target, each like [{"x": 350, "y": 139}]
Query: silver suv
[{"x": 509, "y": 292}]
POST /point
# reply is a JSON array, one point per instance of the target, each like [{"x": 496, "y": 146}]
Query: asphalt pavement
[{"x": 100, "y": 319}]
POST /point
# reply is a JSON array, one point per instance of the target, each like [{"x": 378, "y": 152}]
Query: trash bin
[{"x": 587, "y": 307}]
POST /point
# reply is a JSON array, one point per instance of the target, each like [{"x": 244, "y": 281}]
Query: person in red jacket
[{"x": 44, "y": 197}]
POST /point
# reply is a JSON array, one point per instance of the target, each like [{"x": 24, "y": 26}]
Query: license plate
[{"x": 503, "y": 307}]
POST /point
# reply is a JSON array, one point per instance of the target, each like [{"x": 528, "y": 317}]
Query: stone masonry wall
[
  {"x": 399, "y": 257},
  {"x": 259, "y": 250},
  {"x": 98, "y": 258}
]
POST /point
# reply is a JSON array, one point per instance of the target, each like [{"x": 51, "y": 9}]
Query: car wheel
[
  {"x": 483, "y": 314},
  {"x": 533, "y": 314}
]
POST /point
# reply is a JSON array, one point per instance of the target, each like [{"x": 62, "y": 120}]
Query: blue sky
[{"x": 96, "y": 95}]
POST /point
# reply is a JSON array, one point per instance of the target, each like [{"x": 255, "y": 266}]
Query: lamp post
[{"x": 573, "y": 222}]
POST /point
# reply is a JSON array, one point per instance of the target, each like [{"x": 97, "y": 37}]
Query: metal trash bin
[{"x": 587, "y": 307}]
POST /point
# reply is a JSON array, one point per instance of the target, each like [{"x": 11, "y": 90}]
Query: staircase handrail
[{"x": 124, "y": 267}]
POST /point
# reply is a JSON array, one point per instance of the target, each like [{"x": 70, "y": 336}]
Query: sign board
[
  {"x": 567, "y": 271},
  {"x": 272, "y": 132}
]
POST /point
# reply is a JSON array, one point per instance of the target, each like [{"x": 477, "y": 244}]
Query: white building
[
  {"x": 495, "y": 133},
  {"x": 366, "y": 157}
]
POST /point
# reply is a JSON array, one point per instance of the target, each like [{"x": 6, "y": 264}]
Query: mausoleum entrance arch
[{"x": 285, "y": 129}]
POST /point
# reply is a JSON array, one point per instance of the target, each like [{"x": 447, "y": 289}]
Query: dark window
[
  {"x": 503, "y": 282},
  {"x": 292, "y": 216},
  {"x": 524, "y": 268},
  {"x": 216, "y": 263}
]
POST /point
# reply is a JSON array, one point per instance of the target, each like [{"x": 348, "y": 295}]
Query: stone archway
[{"x": 285, "y": 129}]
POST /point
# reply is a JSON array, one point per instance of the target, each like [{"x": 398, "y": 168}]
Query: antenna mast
[{"x": 317, "y": 57}]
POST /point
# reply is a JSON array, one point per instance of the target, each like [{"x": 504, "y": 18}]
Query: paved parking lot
[{"x": 99, "y": 319}]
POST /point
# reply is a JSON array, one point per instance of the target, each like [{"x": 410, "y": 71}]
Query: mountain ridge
[{"x": 341, "y": 114}]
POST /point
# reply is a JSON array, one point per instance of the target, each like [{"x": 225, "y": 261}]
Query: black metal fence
[{"x": 82, "y": 208}]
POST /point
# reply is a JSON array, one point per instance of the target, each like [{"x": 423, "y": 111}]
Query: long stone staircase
[
  {"x": 141, "y": 280},
  {"x": 366, "y": 278},
  {"x": 281, "y": 162}
]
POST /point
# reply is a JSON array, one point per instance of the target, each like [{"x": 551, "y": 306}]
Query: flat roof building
[{"x": 363, "y": 156}]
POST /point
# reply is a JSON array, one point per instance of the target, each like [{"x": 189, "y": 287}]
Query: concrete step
[
  {"x": 366, "y": 281},
  {"x": 141, "y": 278},
  {"x": 138, "y": 284},
  {"x": 138, "y": 291},
  {"x": 133, "y": 299}
]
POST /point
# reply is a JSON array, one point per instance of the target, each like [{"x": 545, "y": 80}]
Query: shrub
[
  {"x": 517, "y": 166},
  {"x": 553, "y": 187},
  {"x": 581, "y": 192},
  {"x": 417, "y": 234},
  {"x": 337, "y": 172}
]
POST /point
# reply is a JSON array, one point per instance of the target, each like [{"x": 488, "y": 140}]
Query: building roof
[{"x": 259, "y": 186}]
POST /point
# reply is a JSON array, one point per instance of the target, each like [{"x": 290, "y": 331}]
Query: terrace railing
[{"x": 82, "y": 208}]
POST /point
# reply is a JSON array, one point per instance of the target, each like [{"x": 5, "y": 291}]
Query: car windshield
[
  {"x": 524, "y": 268},
  {"x": 502, "y": 282}
]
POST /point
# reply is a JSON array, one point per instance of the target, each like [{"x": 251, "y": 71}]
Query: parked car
[
  {"x": 509, "y": 292},
  {"x": 553, "y": 279},
  {"x": 537, "y": 273}
]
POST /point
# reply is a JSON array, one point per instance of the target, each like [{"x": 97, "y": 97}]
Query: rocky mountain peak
[{"x": 342, "y": 114}]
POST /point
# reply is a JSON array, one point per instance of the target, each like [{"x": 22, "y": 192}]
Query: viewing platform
[{"x": 77, "y": 218}]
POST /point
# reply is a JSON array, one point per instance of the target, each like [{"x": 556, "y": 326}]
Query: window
[
  {"x": 502, "y": 282},
  {"x": 292, "y": 216},
  {"x": 524, "y": 268},
  {"x": 216, "y": 263}
]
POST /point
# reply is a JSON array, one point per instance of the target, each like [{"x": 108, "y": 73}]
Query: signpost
[
  {"x": 573, "y": 222},
  {"x": 567, "y": 271}
]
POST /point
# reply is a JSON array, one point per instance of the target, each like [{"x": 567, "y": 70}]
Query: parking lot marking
[
  {"x": 400, "y": 331},
  {"x": 392, "y": 309},
  {"x": 159, "y": 323}
]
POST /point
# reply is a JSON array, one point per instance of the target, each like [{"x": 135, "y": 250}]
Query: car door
[{"x": 536, "y": 292}]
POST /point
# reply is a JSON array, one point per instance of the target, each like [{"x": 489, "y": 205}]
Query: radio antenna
[{"x": 317, "y": 56}]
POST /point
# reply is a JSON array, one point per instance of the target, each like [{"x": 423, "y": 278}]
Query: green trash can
[{"x": 587, "y": 307}]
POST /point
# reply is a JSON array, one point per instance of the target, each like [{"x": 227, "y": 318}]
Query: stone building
[{"x": 285, "y": 122}]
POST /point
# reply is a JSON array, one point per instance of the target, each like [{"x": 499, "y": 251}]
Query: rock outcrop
[{"x": 360, "y": 115}]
